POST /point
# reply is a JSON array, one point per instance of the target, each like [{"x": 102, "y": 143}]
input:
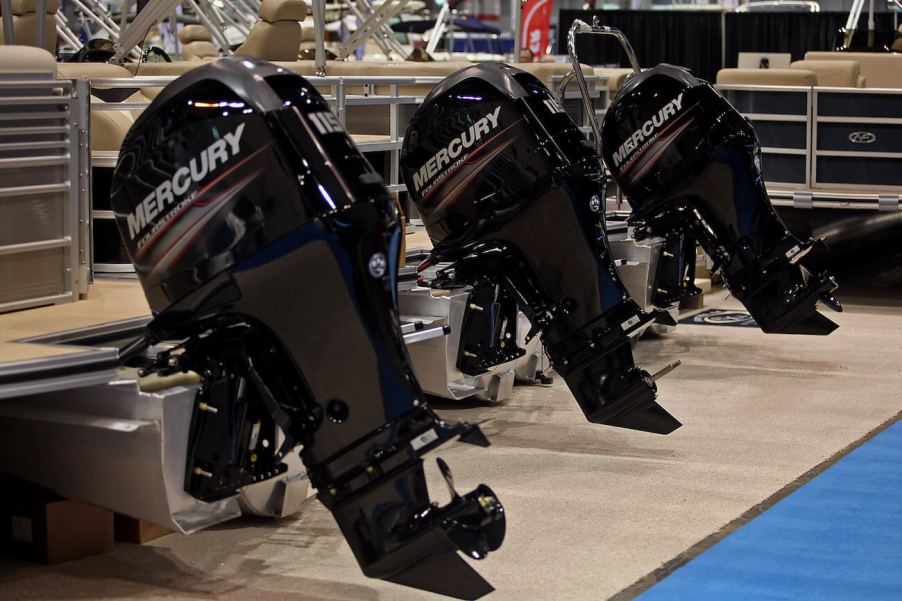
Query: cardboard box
[
  {"x": 402, "y": 259},
  {"x": 133, "y": 530},
  {"x": 37, "y": 525}
]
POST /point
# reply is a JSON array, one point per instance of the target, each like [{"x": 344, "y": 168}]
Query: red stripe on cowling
[
  {"x": 438, "y": 182},
  {"x": 197, "y": 195},
  {"x": 659, "y": 135}
]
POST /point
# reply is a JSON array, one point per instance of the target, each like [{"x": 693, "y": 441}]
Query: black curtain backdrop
[
  {"x": 795, "y": 33},
  {"x": 686, "y": 38},
  {"x": 693, "y": 39}
]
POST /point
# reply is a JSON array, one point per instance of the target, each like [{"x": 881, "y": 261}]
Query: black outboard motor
[
  {"x": 690, "y": 165},
  {"x": 510, "y": 193},
  {"x": 267, "y": 248}
]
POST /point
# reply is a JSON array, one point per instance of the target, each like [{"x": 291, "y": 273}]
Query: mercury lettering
[
  {"x": 164, "y": 195},
  {"x": 455, "y": 147},
  {"x": 648, "y": 129}
]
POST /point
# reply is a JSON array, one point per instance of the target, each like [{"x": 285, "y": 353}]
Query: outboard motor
[
  {"x": 267, "y": 248},
  {"x": 510, "y": 192},
  {"x": 690, "y": 165},
  {"x": 689, "y": 162}
]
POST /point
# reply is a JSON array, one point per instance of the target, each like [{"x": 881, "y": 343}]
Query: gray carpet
[{"x": 591, "y": 510}]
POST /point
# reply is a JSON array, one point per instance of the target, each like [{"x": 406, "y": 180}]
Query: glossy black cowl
[
  {"x": 263, "y": 237},
  {"x": 510, "y": 192},
  {"x": 689, "y": 163}
]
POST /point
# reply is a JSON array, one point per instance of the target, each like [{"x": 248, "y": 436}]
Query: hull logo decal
[
  {"x": 862, "y": 137},
  {"x": 377, "y": 265}
]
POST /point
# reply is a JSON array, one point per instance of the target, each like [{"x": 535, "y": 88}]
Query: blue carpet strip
[{"x": 837, "y": 537}]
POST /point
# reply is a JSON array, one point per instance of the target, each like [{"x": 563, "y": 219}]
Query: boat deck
[{"x": 107, "y": 300}]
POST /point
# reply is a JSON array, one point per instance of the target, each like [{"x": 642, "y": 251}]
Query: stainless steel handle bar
[{"x": 579, "y": 27}]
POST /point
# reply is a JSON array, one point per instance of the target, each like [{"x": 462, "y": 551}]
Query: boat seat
[
  {"x": 308, "y": 34},
  {"x": 108, "y": 128},
  {"x": 91, "y": 70},
  {"x": 197, "y": 43},
  {"x": 545, "y": 71},
  {"x": 880, "y": 69},
  {"x": 26, "y": 59},
  {"x": 173, "y": 69},
  {"x": 277, "y": 35},
  {"x": 95, "y": 71},
  {"x": 839, "y": 74},
  {"x": 25, "y": 23},
  {"x": 616, "y": 77},
  {"x": 767, "y": 77}
]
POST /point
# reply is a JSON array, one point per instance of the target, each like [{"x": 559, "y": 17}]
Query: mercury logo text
[
  {"x": 455, "y": 147},
  {"x": 648, "y": 129},
  {"x": 169, "y": 192}
]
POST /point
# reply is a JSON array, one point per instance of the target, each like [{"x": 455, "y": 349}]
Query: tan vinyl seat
[
  {"x": 839, "y": 74},
  {"x": 766, "y": 77},
  {"x": 197, "y": 43},
  {"x": 616, "y": 77},
  {"x": 545, "y": 71},
  {"x": 91, "y": 70},
  {"x": 308, "y": 34},
  {"x": 26, "y": 59},
  {"x": 173, "y": 69},
  {"x": 277, "y": 35},
  {"x": 880, "y": 69},
  {"x": 108, "y": 127},
  {"x": 25, "y": 23}
]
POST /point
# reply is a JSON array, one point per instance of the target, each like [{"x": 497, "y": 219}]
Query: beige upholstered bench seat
[
  {"x": 26, "y": 20},
  {"x": 277, "y": 35},
  {"x": 173, "y": 69},
  {"x": 841, "y": 74},
  {"x": 196, "y": 43},
  {"x": 616, "y": 77},
  {"x": 108, "y": 127},
  {"x": 766, "y": 77},
  {"x": 91, "y": 70},
  {"x": 26, "y": 59},
  {"x": 879, "y": 69}
]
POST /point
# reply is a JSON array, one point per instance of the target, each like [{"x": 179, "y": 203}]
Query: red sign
[{"x": 536, "y": 26}]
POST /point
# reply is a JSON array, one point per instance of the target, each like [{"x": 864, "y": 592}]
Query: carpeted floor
[
  {"x": 591, "y": 510},
  {"x": 838, "y": 537}
]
